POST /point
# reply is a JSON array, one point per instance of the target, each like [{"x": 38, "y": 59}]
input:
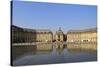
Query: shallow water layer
[{"x": 49, "y": 54}]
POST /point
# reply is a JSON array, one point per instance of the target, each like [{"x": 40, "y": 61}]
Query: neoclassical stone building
[
  {"x": 59, "y": 35},
  {"x": 22, "y": 35},
  {"x": 86, "y": 35},
  {"x": 44, "y": 36}
]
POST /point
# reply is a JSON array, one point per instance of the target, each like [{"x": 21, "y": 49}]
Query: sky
[{"x": 40, "y": 15}]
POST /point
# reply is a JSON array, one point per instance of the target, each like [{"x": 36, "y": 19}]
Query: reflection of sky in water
[{"x": 55, "y": 56}]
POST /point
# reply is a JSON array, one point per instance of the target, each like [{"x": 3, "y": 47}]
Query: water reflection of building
[
  {"x": 44, "y": 47},
  {"x": 82, "y": 46},
  {"x": 59, "y": 35},
  {"x": 86, "y": 35},
  {"x": 30, "y": 35}
]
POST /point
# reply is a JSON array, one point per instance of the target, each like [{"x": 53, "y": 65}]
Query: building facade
[
  {"x": 59, "y": 35},
  {"x": 22, "y": 35},
  {"x": 44, "y": 36},
  {"x": 86, "y": 35}
]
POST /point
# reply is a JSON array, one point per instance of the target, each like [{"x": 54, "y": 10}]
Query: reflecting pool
[{"x": 49, "y": 54}]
